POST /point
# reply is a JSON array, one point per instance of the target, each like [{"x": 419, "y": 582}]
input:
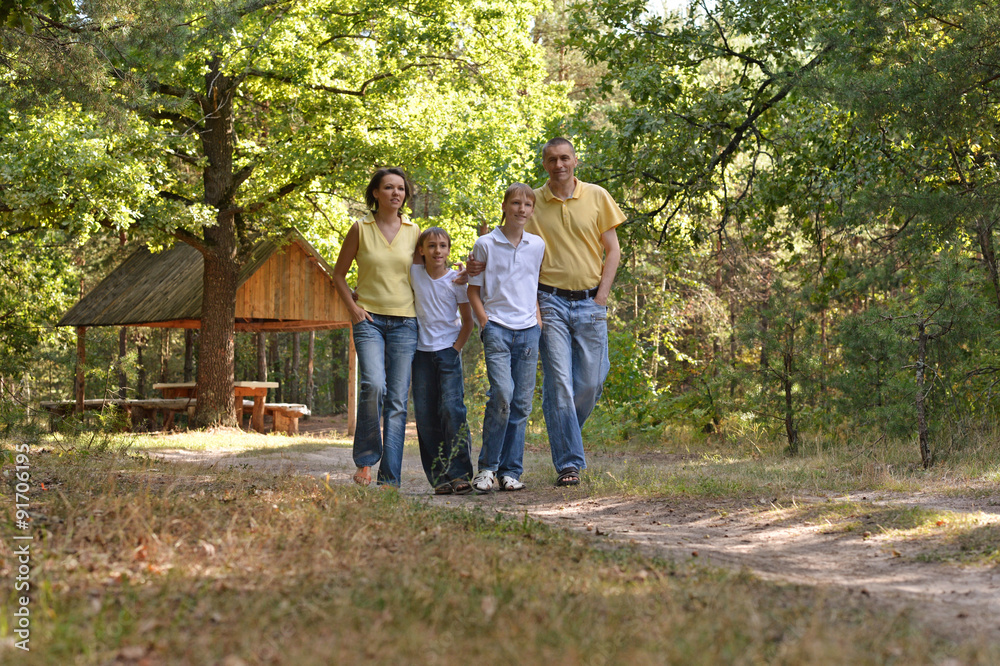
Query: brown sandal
[{"x": 569, "y": 477}]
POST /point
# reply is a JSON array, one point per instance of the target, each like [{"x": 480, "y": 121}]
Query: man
[{"x": 578, "y": 223}]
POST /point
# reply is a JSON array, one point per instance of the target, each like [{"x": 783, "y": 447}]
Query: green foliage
[
  {"x": 841, "y": 158},
  {"x": 18, "y": 14},
  {"x": 35, "y": 287}
]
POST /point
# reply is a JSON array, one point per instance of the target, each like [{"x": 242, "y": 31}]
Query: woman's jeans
[
  {"x": 442, "y": 426},
  {"x": 385, "y": 350},
  {"x": 511, "y": 366}
]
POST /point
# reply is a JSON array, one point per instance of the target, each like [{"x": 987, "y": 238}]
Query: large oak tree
[{"x": 246, "y": 116}]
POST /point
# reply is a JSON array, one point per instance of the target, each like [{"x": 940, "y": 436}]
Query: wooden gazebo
[{"x": 284, "y": 286}]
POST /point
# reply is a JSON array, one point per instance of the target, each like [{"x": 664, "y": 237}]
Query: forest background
[{"x": 811, "y": 188}]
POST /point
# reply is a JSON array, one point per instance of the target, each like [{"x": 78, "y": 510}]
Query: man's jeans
[
  {"x": 575, "y": 363},
  {"x": 385, "y": 349},
  {"x": 439, "y": 405},
  {"x": 511, "y": 366}
]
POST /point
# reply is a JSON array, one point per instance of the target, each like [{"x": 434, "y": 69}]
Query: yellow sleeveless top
[{"x": 384, "y": 268}]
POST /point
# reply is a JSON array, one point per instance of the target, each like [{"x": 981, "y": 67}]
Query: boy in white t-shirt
[
  {"x": 445, "y": 324},
  {"x": 504, "y": 300}
]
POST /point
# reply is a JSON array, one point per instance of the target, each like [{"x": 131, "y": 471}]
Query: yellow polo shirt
[
  {"x": 384, "y": 268},
  {"x": 572, "y": 229}
]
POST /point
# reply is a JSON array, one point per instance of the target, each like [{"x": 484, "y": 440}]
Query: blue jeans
[
  {"x": 385, "y": 349},
  {"x": 575, "y": 363},
  {"x": 439, "y": 405},
  {"x": 511, "y": 364}
]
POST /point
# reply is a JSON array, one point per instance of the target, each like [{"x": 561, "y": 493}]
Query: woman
[{"x": 385, "y": 323}]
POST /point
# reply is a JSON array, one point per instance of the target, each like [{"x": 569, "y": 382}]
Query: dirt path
[{"x": 960, "y": 602}]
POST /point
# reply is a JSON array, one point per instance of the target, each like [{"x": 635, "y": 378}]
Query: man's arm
[
  {"x": 612, "y": 257},
  {"x": 477, "y": 305}
]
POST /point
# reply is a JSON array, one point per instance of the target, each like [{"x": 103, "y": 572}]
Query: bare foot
[{"x": 363, "y": 476}]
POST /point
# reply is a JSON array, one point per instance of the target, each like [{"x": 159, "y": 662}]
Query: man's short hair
[{"x": 558, "y": 141}]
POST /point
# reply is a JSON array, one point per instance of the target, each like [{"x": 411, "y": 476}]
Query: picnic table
[{"x": 257, "y": 391}]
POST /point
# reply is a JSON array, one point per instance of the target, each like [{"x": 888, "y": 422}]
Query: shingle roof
[{"x": 152, "y": 288}]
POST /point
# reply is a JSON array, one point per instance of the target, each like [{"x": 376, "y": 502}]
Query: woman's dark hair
[{"x": 376, "y": 181}]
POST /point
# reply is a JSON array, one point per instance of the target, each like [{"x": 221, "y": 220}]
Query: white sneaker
[
  {"x": 510, "y": 483},
  {"x": 485, "y": 481}
]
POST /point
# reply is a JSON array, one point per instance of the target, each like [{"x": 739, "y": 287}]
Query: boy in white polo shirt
[
  {"x": 504, "y": 300},
  {"x": 438, "y": 385}
]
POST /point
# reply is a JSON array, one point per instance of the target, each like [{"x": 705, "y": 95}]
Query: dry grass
[
  {"x": 141, "y": 561},
  {"x": 705, "y": 467}
]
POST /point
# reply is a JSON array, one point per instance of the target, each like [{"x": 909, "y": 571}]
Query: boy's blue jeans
[
  {"x": 442, "y": 426},
  {"x": 511, "y": 366},
  {"x": 385, "y": 349},
  {"x": 574, "y": 350}
]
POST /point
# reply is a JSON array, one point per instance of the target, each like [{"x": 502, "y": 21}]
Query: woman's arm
[
  {"x": 477, "y": 305},
  {"x": 465, "y": 310},
  {"x": 348, "y": 251}
]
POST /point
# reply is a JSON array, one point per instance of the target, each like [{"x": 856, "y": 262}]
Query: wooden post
[
  {"x": 81, "y": 362},
  {"x": 352, "y": 385}
]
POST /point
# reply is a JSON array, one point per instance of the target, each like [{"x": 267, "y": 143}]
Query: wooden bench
[
  {"x": 284, "y": 415},
  {"x": 151, "y": 414}
]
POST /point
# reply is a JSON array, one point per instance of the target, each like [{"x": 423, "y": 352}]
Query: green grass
[{"x": 139, "y": 558}]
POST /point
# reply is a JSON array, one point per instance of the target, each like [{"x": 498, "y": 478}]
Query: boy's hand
[
  {"x": 475, "y": 267},
  {"x": 463, "y": 276}
]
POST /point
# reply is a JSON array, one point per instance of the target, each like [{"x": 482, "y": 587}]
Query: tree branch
[
  {"x": 171, "y": 196},
  {"x": 360, "y": 92},
  {"x": 188, "y": 159}
]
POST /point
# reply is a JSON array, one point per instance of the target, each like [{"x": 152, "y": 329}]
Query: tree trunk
[
  {"x": 293, "y": 376},
  {"x": 140, "y": 382},
  {"x": 286, "y": 391},
  {"x": 217, "y": 340},
  {"x": 925, "y": 447},
  {"x": 81, "y": 362},
  {"x": 786, "y": 380},
  {"x": 122, "y": 351},
  {"x": 275, "y": 359},
  {"x": 261, "y": 357},
  {"x": 188, "y": 354},
  {"x": 338, "y": 361},
  {"x": 220, "y": 253},
  {"x": 310, "y": 363},
  {"x": 165, "y": 355},
  {"x": 984, "y": 234}
]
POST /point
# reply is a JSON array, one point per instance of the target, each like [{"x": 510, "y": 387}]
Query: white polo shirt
[
  {"x": 510, "y": 281},
  {"x": 437, "y": 308}
]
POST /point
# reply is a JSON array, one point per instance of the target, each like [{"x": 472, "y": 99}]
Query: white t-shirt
[
  {"x": 510, "y": 281},
  {"x": 437, "y": 308}
]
